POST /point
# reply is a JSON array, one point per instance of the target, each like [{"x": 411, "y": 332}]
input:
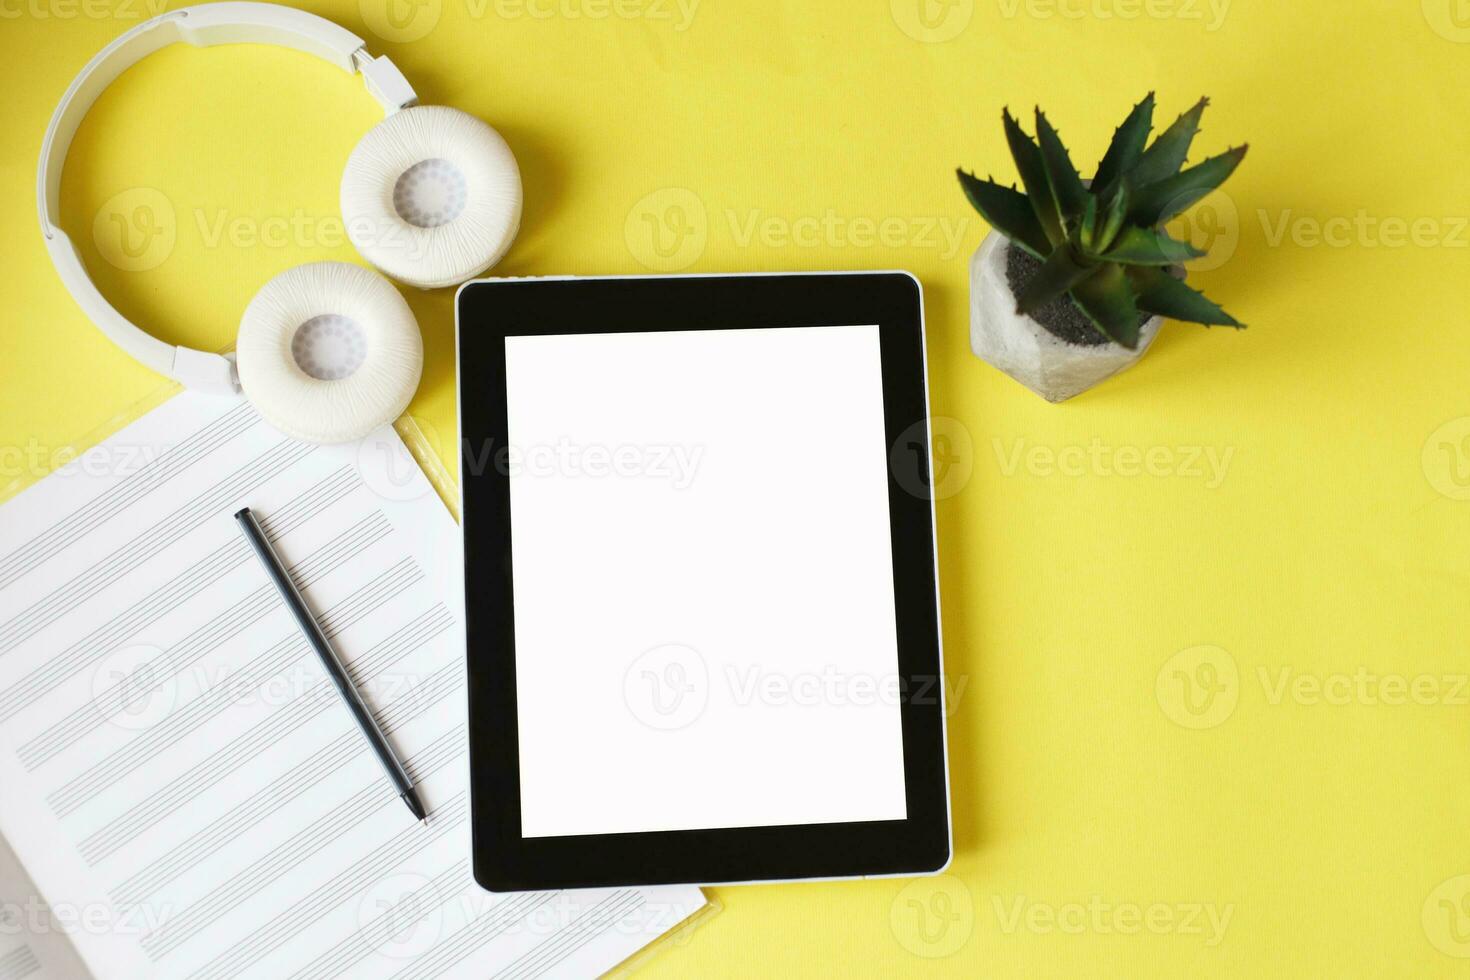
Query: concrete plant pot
[{"x": 1054, "y": 368}]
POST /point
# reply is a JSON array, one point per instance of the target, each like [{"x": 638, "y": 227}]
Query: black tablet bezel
[{"x": 487, "y": 311}]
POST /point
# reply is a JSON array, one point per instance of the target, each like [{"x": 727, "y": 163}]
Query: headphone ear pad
[
  {"x": 431, "y": 196},
  {"x": 329, "y": 352}
]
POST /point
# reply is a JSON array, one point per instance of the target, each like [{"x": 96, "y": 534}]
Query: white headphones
[{"x": 327, "y": 351}]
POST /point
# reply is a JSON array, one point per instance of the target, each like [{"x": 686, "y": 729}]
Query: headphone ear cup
[
  {"x": 328, "y": 352},
  {"x": 431, "y": 196}
]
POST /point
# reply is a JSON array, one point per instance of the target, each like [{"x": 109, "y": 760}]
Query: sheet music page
[
  {"x": 33, "y": 945},
  {"x": 176, "y": 765}
]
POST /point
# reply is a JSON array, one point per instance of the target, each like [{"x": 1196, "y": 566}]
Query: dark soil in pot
[{"x": 1060, "y": 317}]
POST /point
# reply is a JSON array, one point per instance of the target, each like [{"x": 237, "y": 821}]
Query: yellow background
[{"x": 1092, "y": 773}]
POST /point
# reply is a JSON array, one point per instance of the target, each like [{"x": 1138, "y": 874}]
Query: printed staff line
[
  {"x": 82, "y": 788},
  {"x": 86, "y": 651},
  {"x": 61, "y": 535},
  {"x": 587, "y": 926},
  {"x": 440, "y": 685},
  {"x": 350, "y": 543},
  {"x": 64, "y": 598},
  {"x": 136, "y": 753},
  {"x": 290, "y": 855},
  {"x": 306, "y": 844},
  {"x": 366, "y": 940},
  {"x": 105, "y": 572},
  {"x": 91, "y": 648},
  {"x": 278, "y": 726},
  {"x": 444, "y": 749},
  {"x": 103, "y": 575},
  {"x": 79, "y": 522},
  {"x": 577, "y": 933},
  {"x": 386, "y": 586},
  {"x": 306, "y": 912},
  {"x": 323, "y": 494},
  {"x": 230, "y": 826},
  {"x": 612, "y": 919},
  {"x": 127, "y": 826},
  {"x": 575, "y": 942},
  {"x": 105, "y": 705},
  {"x": 354, "y": 879},
  {"x": 267, "y": 800},
  {"x": 130, "y": 755},
  {"x": 92, "y": 714},
  {"x": 475, "y": 934},
  {"x": 203, "y": 775},
  {"x": 19, "y": 963}
]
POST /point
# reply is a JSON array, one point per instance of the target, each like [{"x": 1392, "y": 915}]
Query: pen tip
[{"x": 415, "y": 807}]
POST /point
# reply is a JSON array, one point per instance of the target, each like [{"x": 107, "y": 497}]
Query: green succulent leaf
[
  {"x": 1168, "y": 153},
  {"x": 1160, "y": 293},
  {"x": 1107, "y": 299},
  {"x": 1061, "y": 176},
  {"x": 1117, "y": 214},
  {"x": 1158, "y": 202},
  {"x": 1127, "y": 146},
  {"x": 1033, "y": 177},
  {"x": 1007, "y": 211},
  {"x": 1087, "y": 230},
  {"x": 1061, "y": 271},
  {"x": 1149, "y": 246}
]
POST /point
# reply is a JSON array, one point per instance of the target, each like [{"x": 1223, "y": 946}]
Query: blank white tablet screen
[{"x": 703, "y": 580}]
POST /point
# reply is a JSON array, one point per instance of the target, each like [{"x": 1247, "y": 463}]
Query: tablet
[{"x": 702, "y": 621}]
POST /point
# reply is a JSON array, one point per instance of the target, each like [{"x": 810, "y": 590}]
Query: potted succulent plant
[{"x": 1075, "y": 277}]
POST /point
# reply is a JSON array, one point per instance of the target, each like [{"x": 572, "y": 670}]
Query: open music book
[{"x": 179, "y": 779}]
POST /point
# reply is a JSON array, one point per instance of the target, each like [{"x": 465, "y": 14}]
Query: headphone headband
[{"x": 230, "y": 22}]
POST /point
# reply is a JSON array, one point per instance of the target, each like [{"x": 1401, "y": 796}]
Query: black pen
[{"x": 338, "y": 673}]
